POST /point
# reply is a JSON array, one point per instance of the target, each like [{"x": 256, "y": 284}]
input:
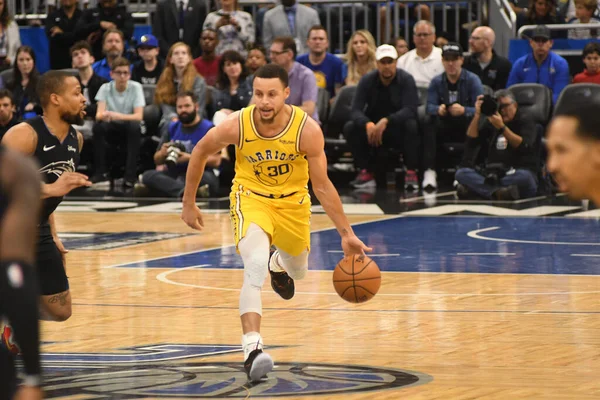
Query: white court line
[
  {"x": 436, "y": 195},
  {"x": 485, "y": 254},
  {"x": 585, "y": 255},
  {"x": 162, "y": 277},
  {"x": 233, "y": 245},
  {"x": 368, "y": 254},
  {"x": 475, "y": 235}
]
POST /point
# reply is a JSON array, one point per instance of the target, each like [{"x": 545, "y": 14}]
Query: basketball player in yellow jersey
[{"x": 278, "y": 149}]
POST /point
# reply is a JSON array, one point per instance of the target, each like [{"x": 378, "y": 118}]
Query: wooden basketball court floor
[{"x": 471, "y": 307}]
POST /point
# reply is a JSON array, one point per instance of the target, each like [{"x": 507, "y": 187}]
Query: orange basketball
[{"x": 356, "y": 278}]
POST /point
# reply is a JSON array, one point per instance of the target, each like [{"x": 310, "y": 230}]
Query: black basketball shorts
[{"x": 50, "y": 268}]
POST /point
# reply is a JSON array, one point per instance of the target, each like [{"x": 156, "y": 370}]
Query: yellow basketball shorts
[{"x": 286, "y": 220}]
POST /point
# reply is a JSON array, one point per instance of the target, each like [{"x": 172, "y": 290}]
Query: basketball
[{"x": 356, "y": 278}]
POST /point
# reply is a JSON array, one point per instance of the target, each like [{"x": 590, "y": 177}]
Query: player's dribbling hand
[
  {"x": 29, "y": 393},
  {"x": 69, "y": 181},
  {"x": 353, "y": 245},
  {"x": 192, "y": 216}
]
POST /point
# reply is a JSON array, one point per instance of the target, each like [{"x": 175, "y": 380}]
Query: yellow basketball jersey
[{"x": 271, "y": 166}]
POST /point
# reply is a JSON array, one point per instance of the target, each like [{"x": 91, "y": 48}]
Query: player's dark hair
[
  {"x": 271, "y": 71},
  {"x": 51, "y": 82},
  {"x": 587, "y": 116}
]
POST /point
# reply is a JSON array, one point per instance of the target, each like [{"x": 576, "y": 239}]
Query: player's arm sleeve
[{"x": 18, "y": 287}]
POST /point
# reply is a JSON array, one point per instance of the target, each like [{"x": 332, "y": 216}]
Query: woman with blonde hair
[
  {"x": 179, "y": 75},
  {"x": 360, "y": 57}
]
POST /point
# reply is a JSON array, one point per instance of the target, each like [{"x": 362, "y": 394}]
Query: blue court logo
[{"x": 167, "y": 371}]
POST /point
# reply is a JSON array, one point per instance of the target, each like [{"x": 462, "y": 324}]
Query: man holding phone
[{"x": 450, "y": 107}]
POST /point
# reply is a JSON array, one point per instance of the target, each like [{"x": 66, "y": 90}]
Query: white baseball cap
[{"x": 386, "y": 51}]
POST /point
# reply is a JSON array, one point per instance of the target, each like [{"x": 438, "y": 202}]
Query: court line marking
[
  {"x": 436, "y": 195},
  {"x": 531, "y": 312},
  {"x": 475, "y": 234},
  {"x": 391, "y": 217},
  {"x": 585, "y": 255},
  {"x": 485, "y": 254},
  {"x": 369, "y": 254},
  {"x": 163, "y": 277}
]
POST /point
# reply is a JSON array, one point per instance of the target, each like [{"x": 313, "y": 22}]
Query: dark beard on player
[{"x": 72, "y": 119}]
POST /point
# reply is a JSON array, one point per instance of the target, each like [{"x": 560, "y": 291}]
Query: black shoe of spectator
[
  {"x": 507, "y": 193},
  {"x": 100, "y": 180},
  {"x": 463, "y": 192}
]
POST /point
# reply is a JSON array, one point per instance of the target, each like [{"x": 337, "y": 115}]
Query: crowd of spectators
[{"x": 418, "y": 101}]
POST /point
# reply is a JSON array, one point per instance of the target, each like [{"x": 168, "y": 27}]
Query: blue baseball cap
[{"x": 148, "y": 41}]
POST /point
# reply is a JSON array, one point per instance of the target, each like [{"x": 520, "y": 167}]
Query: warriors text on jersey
[
  {"x": 274, "y": 166},
  {"x": 54, "y": 158}
]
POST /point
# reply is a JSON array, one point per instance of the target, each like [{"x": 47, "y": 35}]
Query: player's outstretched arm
[
  {"x": 18, "y": 282},
  {"x": 312, "y": 143},
  {"x": 216, "y": 139}
]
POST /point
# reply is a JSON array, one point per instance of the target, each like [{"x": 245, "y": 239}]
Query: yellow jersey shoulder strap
[
  {"x": 298, "y": 123},
  {"x": 246, "y": 130}
]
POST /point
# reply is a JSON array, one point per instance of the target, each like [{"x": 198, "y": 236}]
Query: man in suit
[
  {"x": 187, "y": 15},
  {"x": 96, "y": 21},
  {"x": 289, "y": 19}
]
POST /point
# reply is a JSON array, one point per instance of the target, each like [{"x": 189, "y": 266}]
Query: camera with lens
[
  {"x": 493, "y": 173},
  {"x": 173, "y": 153},
  {"x": 489, "y": 106}
]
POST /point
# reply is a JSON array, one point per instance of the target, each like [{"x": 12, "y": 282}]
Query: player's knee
[
  {"x": 255, "y": 270},
  {"x": 61, "y": 314},
  {"x": 298, "y": 273}
]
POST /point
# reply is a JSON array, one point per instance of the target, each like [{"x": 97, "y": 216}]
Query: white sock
[
  {"x": 274, "y": 263},
  {"x": 250, "y": 342}
]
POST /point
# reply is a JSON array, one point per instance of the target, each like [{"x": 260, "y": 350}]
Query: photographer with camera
[
  {"x": 450, "y": 107},
  {"x": 511, "y": 164},
  {"x": 174, "y": 151}
]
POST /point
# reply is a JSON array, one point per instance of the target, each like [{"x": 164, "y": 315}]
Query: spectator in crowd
[
  {"x": 424, "y": 62},
  {"x": 401, "y": 45},
  {"x": 542, "y": 65},
  {"x": 179, "y": 21},
  {"x": 417, "y": 12},
  {"x": 120, "y": 110},
  {"x": 519, "y": 6},
  {"x": 450, "y": 106},
  {"x": 384, "y": 114},
  {"x": 207, "y": 64},
  {"x": 10, "y": 38},
  {"x": 326, "y": 67},
  {"x": 60, "y": 29},
  {"x": 175, "y": 148},
  {"x": 148, "y": 69},
  {"x": 289, "y": 19},
  {"x": 584, "y": 14},
  {"x": 257, "y": 57},
  {"x": 8, "y": 118},
  {"x": 234, "y": 89},
  {"x": 302, "y": 82},
  {"x": 492, "y": 69},
  {"x": 179, "y": 75},
  {"x": 511, "y": 166},
  {"x": 442, "y": 39},
  {"x": 360, "y": 57},
  {"x": 82, "y": 60},
  {"x": 591, "y": 59},
  {"x": 540, "y": 12},
  {"x": 235, "y": 28},
  {"x": 112, "y": 47},
  {"x": 24, "y": 82},
  {"x": 95, "y": 22}
]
